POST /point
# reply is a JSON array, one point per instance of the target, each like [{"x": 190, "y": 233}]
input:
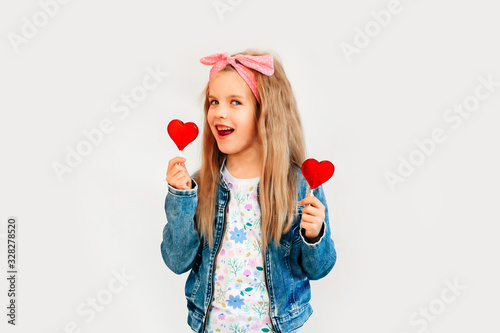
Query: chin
[{"x": 224, "y": 150}]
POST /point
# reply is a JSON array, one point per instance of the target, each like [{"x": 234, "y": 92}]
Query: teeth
[{"x": 222, "y": 128}]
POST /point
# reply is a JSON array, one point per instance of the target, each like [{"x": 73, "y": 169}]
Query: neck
[{"x": 244, "y": 166}]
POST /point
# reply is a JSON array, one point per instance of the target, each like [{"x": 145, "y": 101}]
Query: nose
[{"x": 221, "y": 111}]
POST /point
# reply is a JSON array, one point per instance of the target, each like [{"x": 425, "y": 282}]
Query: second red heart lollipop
[
  {"x": 316, "y": 173},
  {"x": 182, "y": 134}
]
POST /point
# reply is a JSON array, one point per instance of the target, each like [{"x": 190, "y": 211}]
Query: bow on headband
[{"x": 263, "y": 64}]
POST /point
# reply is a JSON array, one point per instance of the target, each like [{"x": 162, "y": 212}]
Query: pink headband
[{"x": 263, "y": 64}]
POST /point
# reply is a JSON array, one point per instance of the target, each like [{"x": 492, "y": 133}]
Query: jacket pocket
[
  {"x": 192, "y": 285},
  {"x": 194, "y": 281}
]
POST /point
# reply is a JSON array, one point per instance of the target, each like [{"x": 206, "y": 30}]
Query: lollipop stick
[
  {"x": 311, "y": 195},
  {"x": 180, "y": 155}
]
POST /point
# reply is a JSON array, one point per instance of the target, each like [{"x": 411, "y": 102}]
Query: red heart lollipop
[
  {"x": 316, "y": 173},
  {"x": 182, "y": 134}
]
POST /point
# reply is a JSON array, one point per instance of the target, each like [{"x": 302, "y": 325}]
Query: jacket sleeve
[
  {"x": 318, "y": 256},
  {"x": 180, "y": 239}
]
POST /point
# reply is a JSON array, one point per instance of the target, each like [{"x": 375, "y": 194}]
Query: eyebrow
[{"x": 230, "y": 96}]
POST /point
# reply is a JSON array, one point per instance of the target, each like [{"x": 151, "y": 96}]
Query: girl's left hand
[{"x": 312, "y": 216}]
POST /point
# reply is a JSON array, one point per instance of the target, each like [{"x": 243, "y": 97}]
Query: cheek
[
  {"x": 250, "y": 122},
  {"x": 210, "y": 118},
  {"x": 252, "y": 126},
  {"x": 252, "y": 129}
]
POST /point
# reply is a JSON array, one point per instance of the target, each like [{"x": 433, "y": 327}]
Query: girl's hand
[
  {"x": 177, "y": 175},
  {"x": 312, "y": 216}
]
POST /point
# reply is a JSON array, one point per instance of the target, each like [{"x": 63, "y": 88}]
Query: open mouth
[{"x": 224, "y": 130}]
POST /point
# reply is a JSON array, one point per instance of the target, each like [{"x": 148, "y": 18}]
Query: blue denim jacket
[{"x": 288, "y": 267}]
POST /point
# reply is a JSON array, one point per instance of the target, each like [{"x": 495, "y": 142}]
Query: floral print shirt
[{"x": 240, "y": 302}]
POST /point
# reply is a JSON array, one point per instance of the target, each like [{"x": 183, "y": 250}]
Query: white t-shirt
[{"x": 240, "y": 302}]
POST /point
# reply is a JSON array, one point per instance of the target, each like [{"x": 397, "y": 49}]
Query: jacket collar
[{"x": 222, "y": 180}]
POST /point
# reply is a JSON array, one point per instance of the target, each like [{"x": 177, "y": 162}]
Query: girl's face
[{"x": 232, "y": 114}]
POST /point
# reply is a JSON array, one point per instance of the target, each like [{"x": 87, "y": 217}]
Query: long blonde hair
[{"x": 280, "y": 130}]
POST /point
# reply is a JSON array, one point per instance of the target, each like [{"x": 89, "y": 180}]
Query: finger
[
  {"x": 175, "y": 161},
  {"x": 311, "y": 210},
  {"x": 306, "y": 210},
  {"x": 175, "y": 174},
  {"x": 183, "y": 166},
  {"x": 312, "y": 219},
  {"x": 310, "y": 229},
  {"x": 180, "y": 178},
  {"x": 313, "y": 201},
  {"x": 306, "y": 225},
  {"x": 183, "y": 183},
  {"x": 311, "y": 223},
  {"x": 307, "y": 200},
  {"x": 176, "y": 169},
  {"x": 187, "y": 182}
]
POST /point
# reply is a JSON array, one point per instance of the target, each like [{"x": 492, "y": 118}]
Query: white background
[{"x": 395, "y": 247}]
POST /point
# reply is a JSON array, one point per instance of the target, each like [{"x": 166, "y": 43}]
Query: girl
[{"x": 244, "y": 224}]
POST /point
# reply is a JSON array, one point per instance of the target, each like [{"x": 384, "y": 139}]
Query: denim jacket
[{"x": 288, "y": 267}]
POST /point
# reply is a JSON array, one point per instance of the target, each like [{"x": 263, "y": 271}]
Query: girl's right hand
[{"x": 177, "y": 174}]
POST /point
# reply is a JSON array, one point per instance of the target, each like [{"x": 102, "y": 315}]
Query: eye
[
  {"x": 235, "y": 101},
  {"x": 214, "y": 102}
]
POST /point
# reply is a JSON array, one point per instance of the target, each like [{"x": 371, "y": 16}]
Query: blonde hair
[{"x": 280, "y": 131}]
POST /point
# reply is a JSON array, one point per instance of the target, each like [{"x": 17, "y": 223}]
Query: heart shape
[
  {"x": 182, "y": 134},
  {"x": 316, "y": 173}
]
